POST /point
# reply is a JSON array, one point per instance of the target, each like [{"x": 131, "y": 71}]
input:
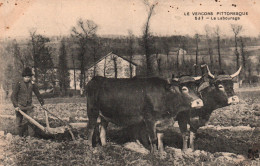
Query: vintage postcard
[{"x": 129, "y": 82}]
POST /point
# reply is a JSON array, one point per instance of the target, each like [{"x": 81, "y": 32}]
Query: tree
[
  {"x": 63, "y": 73},
  {"x": 245, "y": 59},
  {"x": 242, "y": 49},
  {"x": 258, "y": 66},
  {"x": 40, "y": 54},
  {"x": 130, "y": 51},
  {"x": 45, "y": 68},
  {"x": 74, "y": 73},
  {"x": 209, "y": 42},
  {"x": 147, "y": 44},
  {"x": 236, "y": 30},
  {"x": 166, "y": 50},
  {"x": 159, "y": 61},
  {"x": 8, "y": 78},
  {"x": 177, "y": 62},
  {"x": 197, "y": 52},
  {"x": 183, "y": 45},
  {"x": 94, "y": 50},
  {"x": 115, "y": 65},
  {"x": 217, "y": 32},
  {"x": 83, "y": 33}
]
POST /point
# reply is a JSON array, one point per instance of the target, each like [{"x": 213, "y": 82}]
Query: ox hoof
[
  {"x": 153, "y": 149},
  {"x": 184, "y": 149},
  {"x": 188, "y": 150},
  {"x": 162, "y": 154},
  {"x": 89, "y": 143}
]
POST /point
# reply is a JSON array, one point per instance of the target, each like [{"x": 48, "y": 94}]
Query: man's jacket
[{"x": 22, "y": 95}]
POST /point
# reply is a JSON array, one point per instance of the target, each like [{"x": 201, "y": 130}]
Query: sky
[{"x": 117, "y": 17}]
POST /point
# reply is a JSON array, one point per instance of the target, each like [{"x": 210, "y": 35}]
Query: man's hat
[{"x": 27, "y": 72}]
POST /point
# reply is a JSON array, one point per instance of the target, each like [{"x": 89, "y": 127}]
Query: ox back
[{"x": 128, "y": 101}]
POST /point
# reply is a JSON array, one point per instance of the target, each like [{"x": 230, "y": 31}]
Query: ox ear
[
  {"x": 236, "y": 73},
  {"x": 197, "y": 78}
]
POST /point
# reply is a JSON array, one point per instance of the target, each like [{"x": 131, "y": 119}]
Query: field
[{"x": 224, "y": 141}]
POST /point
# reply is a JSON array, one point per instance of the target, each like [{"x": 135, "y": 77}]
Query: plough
[{"x": 57, "y": 130}]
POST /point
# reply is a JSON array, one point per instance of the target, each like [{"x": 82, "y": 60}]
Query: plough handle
[
  {"x": 32, "y": 120},
  {"x": 47, "y": 119}
]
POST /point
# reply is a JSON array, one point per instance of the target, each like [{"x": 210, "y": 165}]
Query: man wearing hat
[{"x": 22, "y": 99}]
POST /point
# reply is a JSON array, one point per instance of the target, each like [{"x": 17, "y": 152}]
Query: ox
[
  {"x": 129, "y": 102},
  {"x": 216, "y": 92}
]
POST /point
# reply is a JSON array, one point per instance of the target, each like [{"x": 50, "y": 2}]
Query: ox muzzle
[
  {"x": 233, "y": 100},
  {"x": 198, "y": 103}
]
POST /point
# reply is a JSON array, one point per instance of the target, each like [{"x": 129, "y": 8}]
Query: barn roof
[{"x": 88, "y": 67}]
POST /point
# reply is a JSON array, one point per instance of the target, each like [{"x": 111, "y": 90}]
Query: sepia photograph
[{"x": 130, "y": 82}]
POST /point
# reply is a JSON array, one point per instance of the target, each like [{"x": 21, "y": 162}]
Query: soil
[{"x": 231, "y": 132}]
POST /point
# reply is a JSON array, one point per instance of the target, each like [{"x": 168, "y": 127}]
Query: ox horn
[
  {"x": 209, "y": 73},
  {"x": 236, "y": 73},
  {"x": 197, "y": 78}
]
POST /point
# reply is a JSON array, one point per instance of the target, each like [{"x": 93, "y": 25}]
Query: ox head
[
  {"x": 221, "y": 88},
  {"x": 188, "y": 88}
]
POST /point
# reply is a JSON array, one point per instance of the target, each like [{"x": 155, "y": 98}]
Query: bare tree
[
  {"x": 177, "y": 62},
  {"x": 40, "y": 53},
  {"x": 183, "y": 46},
  {"x": 159, "y": 66},
  {"x": 258, "y": 66},
  {"x": 130, "y": 50},
  {"x": 209, "y": 42},
  {"x": 197, "y": 53},
  {"x": 217, "y": 33},
  {"x": 166, "y": 49},
  {"x": 147, "y": 37},
  {"x": 244, "y": 58},
  {"x": 115, "y": 65},
  {"x": 236, "y": 30},
  {"x": 34, "y": 53},
  {"x": 63, "y": 73},
  {"x": 94, "y": 50},
  {"x": 74, "y": 73},
  {"x": 242, "y": 48},
  {"x": 84, "y": 31}
]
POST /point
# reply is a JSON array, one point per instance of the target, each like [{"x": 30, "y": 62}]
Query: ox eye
[
  {"x": 220, "y": 86},
  {"x": 184, "y": 89}
]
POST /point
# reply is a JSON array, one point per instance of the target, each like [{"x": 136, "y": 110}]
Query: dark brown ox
[
  {"x": 129, "y": 102},
  {"x": 216, "y": 92}
]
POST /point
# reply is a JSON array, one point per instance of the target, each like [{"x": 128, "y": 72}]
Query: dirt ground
[{"x": 225, "y": 141}]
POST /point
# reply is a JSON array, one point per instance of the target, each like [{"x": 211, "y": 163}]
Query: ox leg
[
  {"x": 103, "y": 127},
  {"x": 152, "y": 137},
  {"x": 183, "y": 122},
  {"x": 192, "y": 137},
  {"x": 91, "y": 127},
  {"x": 142, "y": 134},
  {"x": 194, "y": 126},
  {"x": 90, "y": 136},
  {"x": 160, "y": 142}
]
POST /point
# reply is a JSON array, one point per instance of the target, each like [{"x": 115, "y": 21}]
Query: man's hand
[{"x": 16, "y": 109}]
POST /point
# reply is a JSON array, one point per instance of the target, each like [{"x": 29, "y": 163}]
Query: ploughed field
[{"x": 224, "y": 141}]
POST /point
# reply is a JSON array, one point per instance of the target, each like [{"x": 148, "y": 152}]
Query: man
[{"x": 22, "y": 99}]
